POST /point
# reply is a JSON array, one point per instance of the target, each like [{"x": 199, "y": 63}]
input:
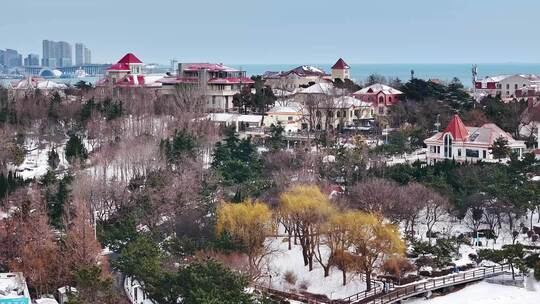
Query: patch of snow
[{"x": 284, "y": 260}]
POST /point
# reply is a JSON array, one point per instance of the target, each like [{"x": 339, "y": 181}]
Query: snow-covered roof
[
  {"x": 212, "y": 67},
  {"x": 250, "y": 118},
  {"x": 377, "y": 88},
  {"x": 346, "y": 102},
  {"x": 322, "y": 88},
  {"x": 46, "y": 301},
  {"x": 300, "y": 71},
  {"x": 288, "y": 108},
  {"x": 499, "y": 78},
  {"x": 13, "y": 286},
  {"x": 38, "y": 83}
]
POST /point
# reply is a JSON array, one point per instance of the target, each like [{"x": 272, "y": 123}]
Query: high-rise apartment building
[
  {"x": 57, "y": 54},
  {"x": 87, "y": 56},
  {"x": 82, "y": 54},
  {"x": 31, "y": 60},
  {"x": 12, "y": 58}
]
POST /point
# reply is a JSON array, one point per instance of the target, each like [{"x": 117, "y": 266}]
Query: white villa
[{"x": 468, "y": 144}]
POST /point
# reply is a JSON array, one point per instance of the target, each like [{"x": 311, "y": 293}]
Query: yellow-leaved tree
[
  {"x": 307, "y": 209},
  {"x": 372, "y": 241},
  {"x": 339, "y": 237},
  {"x": 249, "y": 222}
]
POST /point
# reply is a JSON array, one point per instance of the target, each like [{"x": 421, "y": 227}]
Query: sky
[{"x": 281, "y": 31}]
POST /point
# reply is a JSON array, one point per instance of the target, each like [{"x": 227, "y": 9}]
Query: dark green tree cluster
[
  {"x": 259, "y": 101},
  {"x": 237, "y": 163},
  {"x": 512, "y": 255},
  {"x": 197, "y": 282},
  {"x": 506, "y": 115},
  {"x": 53, "y": 159},
  {"x": 9, "y": 183},
  {"x": 346, "y": 84},
  {"x": 505, "y": 189},
  {"x": 276, "y": 140},
  {"x": 108, "y": 108},
  {"x": 75, "y": 149},
  {"x": 56, "y": 193},
  {"x": 181, "y": 145}
]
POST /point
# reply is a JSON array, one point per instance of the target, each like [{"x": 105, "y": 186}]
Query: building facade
[
  {"x": 31, "y": 60},
  {"x": 82, "y": 55},
  {"x": 217, "y": 82},
  {"x": 296, "y": 78},
  {"x": 468, "y": 144},
  {"x": 340, "y": 70},
  {"x": 11, "y": 58},
  {"x": 380, "y": 95},
  {"x": 506, "y": 86},
  {"x": 57, "y": 54}
]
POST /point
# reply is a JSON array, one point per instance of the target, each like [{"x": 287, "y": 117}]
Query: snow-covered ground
[
  {"x": 35, "y": 163},
  {"x": 487, "y": 293},
  {"x": 284, "y": 260}
]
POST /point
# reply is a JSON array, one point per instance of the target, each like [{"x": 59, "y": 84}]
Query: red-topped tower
[{"x": 340, "y": 70}]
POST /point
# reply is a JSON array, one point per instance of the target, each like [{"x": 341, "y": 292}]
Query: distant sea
[
  {"x": 359, "y": 72},
  {"x": 444, "y": 72}
]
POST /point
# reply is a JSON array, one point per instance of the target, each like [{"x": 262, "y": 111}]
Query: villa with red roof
[
  {"x": 468, "y": 144},
  {"x": 219, "y": 83},
  {"x": 127, "y": 73},
  {"x": 340, "y": 70},
  {"x": 380, "y": 95}
]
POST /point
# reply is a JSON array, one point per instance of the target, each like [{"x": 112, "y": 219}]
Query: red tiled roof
[
  {"x": 457, "y": 128},
  {"x": 129, "y": 59},
  {"x": 340, "y": 65},
  {"x": 119, "y": 67}
]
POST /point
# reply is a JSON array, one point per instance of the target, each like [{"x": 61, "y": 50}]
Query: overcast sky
[{"x": 281, "y": 31}]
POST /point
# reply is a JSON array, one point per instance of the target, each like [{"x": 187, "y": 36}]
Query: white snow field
[{"x": 284, "y": 260}]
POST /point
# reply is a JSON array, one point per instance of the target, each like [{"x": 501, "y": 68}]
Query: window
[
  {"x": 318, "y": 113},
  {"x": 448, "y": 145},
  {"x": 459, "y": 152},
  {"x": 471, "y": 153},
  {"x": 290, "y": 118},
  {"x": 484, "y": 154},
  {"x": 508, "y": 86},
  {"x": 381, "y": 99},
  {"x": 516, "y": 86},
  {"x": 438, "y": 149}
]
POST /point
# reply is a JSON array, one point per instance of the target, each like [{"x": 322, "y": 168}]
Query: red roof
[
  {"x": 119, "y": 67},
  {"x": 129, "y": 59},
  {"x": 340, "y": 65},
  {"x": 457, "y": 128}
]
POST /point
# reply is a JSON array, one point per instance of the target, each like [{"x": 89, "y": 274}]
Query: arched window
[
  {"x": 448, "y": 145},
  {"x": 381, "y": 99}
]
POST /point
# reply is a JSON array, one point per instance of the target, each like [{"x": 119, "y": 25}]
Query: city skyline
[{"x": 458, "y": 31}]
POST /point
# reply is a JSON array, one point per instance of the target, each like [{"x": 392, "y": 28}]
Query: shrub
[
  {"x": 524, "y": 230},
  {"x": 290, "y": 277},
  {"x": 304, "y": 285}
]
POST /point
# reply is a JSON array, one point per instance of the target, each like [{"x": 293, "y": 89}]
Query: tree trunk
[
  {"x": 310, "y": 259},
  {"x": 368, "y": 280},
  {"x": 326, "y": 271}
]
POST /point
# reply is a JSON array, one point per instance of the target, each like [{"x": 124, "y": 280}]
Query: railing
[
  {"x": 400, "y": 293},
  {"x": 396, "y": 293}
]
